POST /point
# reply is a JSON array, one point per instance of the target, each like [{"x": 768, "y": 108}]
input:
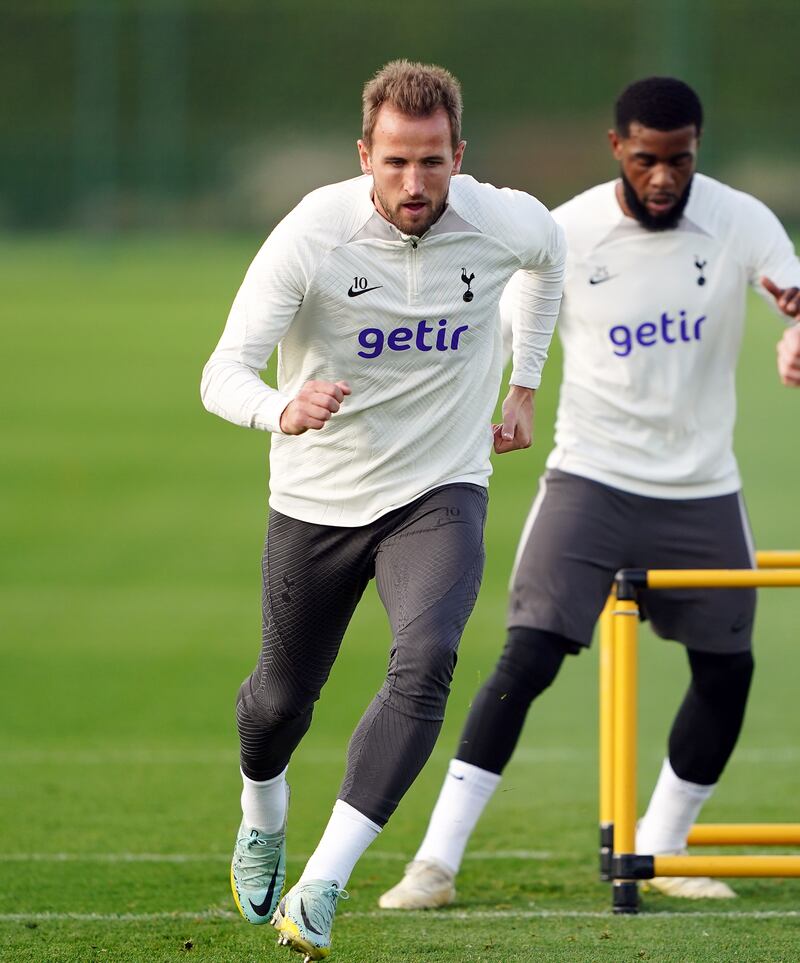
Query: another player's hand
[
  {"x": 516, "y": 430},
  {"x": 312, "y": 408},
  {"x": 789, "y": 357},
  {"x": 787, "y": 299}
]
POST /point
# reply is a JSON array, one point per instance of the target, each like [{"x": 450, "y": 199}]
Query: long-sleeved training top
[{"x": 412, "y": 324}]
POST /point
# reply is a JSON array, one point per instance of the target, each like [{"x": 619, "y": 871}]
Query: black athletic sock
[
  {"x": 529, "y": 663},
  {"x": 710, "y": 718}
]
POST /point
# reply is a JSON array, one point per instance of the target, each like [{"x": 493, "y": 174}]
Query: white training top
[
  {"x": 651, "y": 325},
  {"x": 411, "y": 323}
]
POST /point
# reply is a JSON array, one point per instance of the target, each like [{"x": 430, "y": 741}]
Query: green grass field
[{"x": 129, "y": 587}]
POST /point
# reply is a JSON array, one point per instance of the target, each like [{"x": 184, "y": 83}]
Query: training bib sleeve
[
  {"x": 529, "y": 309},
  {"x": 533, "y": 314},
  {"x": 264, "y": 307},
  {"x": 770, "y": 252},
  {"x": 531, "y": 301}
]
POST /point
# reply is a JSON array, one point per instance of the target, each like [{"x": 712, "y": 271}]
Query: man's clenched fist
[{"x": 315, "y": 403}]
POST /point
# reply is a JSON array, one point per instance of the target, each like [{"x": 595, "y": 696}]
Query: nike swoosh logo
[
  {"x": 740, "y": 623},
  {"x": 601, "y": 280},
  {"x": 308, "y": 925},
  {"x": 459, "y": 778},
  {"x": 263, "y": 909},
  {"x": 354, "y": 294}
]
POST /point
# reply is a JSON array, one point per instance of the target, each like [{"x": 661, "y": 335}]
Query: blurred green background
[{"x": 221, "y": 113}]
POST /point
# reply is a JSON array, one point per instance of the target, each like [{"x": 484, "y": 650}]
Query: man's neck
[{"x": 619, "y": 193}]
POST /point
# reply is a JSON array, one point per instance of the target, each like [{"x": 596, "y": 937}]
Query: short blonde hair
[{"x": 415, "y": 89}]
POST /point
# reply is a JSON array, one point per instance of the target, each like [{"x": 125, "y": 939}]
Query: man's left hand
[
  {"x": 517, "y": 429},
  {"x": 786, "y": 299}
]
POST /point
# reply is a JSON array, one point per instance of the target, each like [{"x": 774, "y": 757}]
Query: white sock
[
  {"x": 346, "y": 837},
  {"x": 674, "y": 807},
  {"x": 465, "y": 792},
  {"x": 264, "y": 803}
]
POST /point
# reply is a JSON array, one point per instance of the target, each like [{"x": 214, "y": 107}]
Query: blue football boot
[
  {"x": 258, "y": 871},
  {"x": 304, "y": 918}
]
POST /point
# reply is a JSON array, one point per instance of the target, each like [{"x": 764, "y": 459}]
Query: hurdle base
[
  {"x": 625, "y": 899},
  {"x": 632, "y": 866}
]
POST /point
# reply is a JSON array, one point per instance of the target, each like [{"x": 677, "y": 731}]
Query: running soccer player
[
  {"x": 382, "y": 294},
  {"x": 642, "y": 474}
]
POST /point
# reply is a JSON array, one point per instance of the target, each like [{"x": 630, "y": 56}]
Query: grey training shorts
[{"x": 579, "y": 533}]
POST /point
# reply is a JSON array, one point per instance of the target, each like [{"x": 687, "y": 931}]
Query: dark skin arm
[{"x": 788, "y": 302}]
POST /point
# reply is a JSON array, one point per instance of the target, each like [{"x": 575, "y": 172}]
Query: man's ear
[
  {"x": 458, "y": 157},
  {"x": 616, "y": 143},
  {"x": 363, "y": 156}
]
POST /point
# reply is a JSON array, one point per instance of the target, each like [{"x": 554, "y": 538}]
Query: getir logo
[
  {"x": 667, "y": 330},
  {"x": 426, "y": 337}
]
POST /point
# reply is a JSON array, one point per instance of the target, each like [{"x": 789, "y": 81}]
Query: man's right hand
[
  {"x": 315, "y": 403},
  {"x": 789, "y": 357}
]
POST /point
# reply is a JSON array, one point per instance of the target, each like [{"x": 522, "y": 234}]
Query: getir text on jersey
[
  {"x": 426, "y": 337},
  {"x": 648, "y": 333}
]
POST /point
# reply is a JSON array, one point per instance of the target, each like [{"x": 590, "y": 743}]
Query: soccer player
[
  {"x": 642, "y": 474},
  {"x": 382, "y": 294}
]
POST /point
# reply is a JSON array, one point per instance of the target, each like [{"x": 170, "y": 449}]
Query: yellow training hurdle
[{"x": 619, "y": 860}]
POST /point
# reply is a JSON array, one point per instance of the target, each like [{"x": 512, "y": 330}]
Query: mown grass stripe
[
  {"x": 173, "y": 757},
  {"x": 501, "y": 854},
  {"x": 441, "y": 916},
  {"x": 775, "y": 755}
]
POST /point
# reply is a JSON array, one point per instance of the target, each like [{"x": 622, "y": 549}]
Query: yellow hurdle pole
[
  {"x": 722, "y": 578},
  {"x": 606, "y": 756},
  {"x": 778, "y": 559},
  {"x": 752, "y": 834},
  {"x": 626, "y": 864},
  {"x": 726, "y": 866},
  {"x": 745, "y": 834},
  {"x": 626, "y": 618}
]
